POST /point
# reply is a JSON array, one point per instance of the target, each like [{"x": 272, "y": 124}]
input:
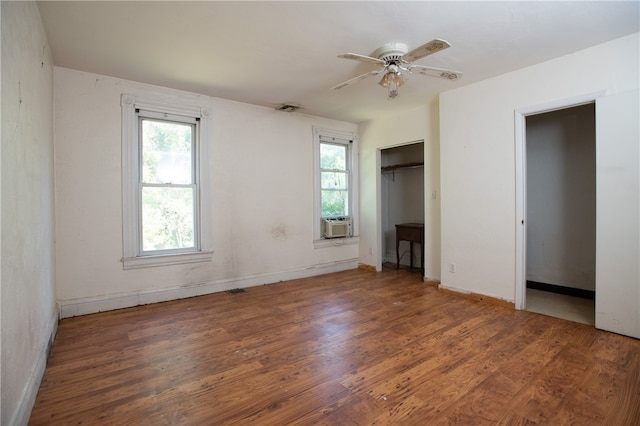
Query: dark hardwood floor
[{"x": 350, "y": 348}]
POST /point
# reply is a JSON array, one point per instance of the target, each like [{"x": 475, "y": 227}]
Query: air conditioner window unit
[{"x": 336, "y": 228}]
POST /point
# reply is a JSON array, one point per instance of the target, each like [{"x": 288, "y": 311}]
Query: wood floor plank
[{"x": 350, "y": 348}]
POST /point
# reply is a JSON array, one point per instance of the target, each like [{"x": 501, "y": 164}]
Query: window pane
[
  {"x": 166, "y": 152},
  {"x": 333, "y": 180},
  {"x": 333, "y": 157},
  {"x": 334, "y": 203},
  {"x": 167, "y": 218}
]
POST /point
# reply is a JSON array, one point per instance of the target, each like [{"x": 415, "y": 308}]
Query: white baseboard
[
  {"x": 83, "y": 306},
  {"x": 32, "y": 383},
  {"x": 453, "y": 289},
  {"x": 477, "y": 296}
]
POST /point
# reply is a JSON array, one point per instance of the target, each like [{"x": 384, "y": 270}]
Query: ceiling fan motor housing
[{"x": 391, "y": 52}]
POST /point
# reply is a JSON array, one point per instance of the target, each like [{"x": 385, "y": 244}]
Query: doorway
[
  {"x": 561, "y": 213},
  {"x": 617, "y": 206},
  {"x": 402, "y": 199}
]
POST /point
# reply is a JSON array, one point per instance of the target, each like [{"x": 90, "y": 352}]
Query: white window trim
[
  {"x": 131, "y": 257},
  {"x": 345, "y": 138}
]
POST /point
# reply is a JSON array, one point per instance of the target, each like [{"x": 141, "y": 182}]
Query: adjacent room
[{"x": 320, "y": 212}]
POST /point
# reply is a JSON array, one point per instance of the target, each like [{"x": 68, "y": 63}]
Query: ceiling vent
[{"x": 288, "y": 107}]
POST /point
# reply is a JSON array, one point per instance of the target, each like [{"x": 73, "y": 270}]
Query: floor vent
[{"x": 236, "y": 291}]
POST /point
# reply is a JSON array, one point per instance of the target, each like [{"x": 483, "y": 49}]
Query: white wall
[
  {"x": 28, "y": 305},
  {"x": 561, "y": 197},
  {"x": 477, "y": 157},
  {"x": 261, "y": 175},
  {"x": 396, "y": 129}
]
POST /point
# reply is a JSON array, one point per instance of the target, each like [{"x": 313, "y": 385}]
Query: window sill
[
  {"x": 165, "y": 260},
  {"x": 335, "y": 242}
]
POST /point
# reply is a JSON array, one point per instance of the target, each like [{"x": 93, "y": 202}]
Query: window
[
  {"x": 334, "y": 180},
  {"x": 164, "y": 186},
  {"x": 168, "y": 188},
  {"x": 335, "y": 166}
]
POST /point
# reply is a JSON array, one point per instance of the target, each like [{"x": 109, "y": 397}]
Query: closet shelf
[{"x": 401, "y": 166}]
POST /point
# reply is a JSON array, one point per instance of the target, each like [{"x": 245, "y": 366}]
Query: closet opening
[
  {"x": 402, "y": 202},
  {"x": 561, "y": 213}
]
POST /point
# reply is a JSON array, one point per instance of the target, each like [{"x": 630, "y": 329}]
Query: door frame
[{"x": 520, "y": 116}]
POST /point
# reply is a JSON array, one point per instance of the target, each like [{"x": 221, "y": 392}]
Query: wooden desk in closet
[{"x": 414, "y": 233}]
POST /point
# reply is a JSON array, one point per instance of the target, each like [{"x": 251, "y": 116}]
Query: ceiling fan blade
[
  {"x": 435, "y": 72},
  {"x": 426, "y": 49},
  {"x": 355, "y": 79},
  {"x": 361, "y": 58}
]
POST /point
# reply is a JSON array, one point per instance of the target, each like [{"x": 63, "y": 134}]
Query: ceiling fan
[{"x": 394, "y": 59}]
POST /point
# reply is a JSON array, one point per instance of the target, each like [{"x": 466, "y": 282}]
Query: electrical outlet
[{"x": 452, "y": 268}]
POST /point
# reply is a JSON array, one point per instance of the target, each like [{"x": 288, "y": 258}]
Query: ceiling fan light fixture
[{"x": 392, "y": 80}]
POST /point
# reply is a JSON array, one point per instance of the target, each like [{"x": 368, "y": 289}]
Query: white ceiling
[{"x": 273, "y": 52}]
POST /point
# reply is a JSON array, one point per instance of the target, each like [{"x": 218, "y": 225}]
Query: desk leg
[
  {"x": 397, "y": 253},
  {"x": 411, "y": 254}
]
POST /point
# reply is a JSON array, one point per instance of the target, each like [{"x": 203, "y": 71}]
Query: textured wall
[{"x": 28, "y": 291}]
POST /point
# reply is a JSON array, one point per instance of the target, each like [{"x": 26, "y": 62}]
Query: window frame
[
  {"x": 350, "y": 140},
  {"x": 134, "y": 110}
]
